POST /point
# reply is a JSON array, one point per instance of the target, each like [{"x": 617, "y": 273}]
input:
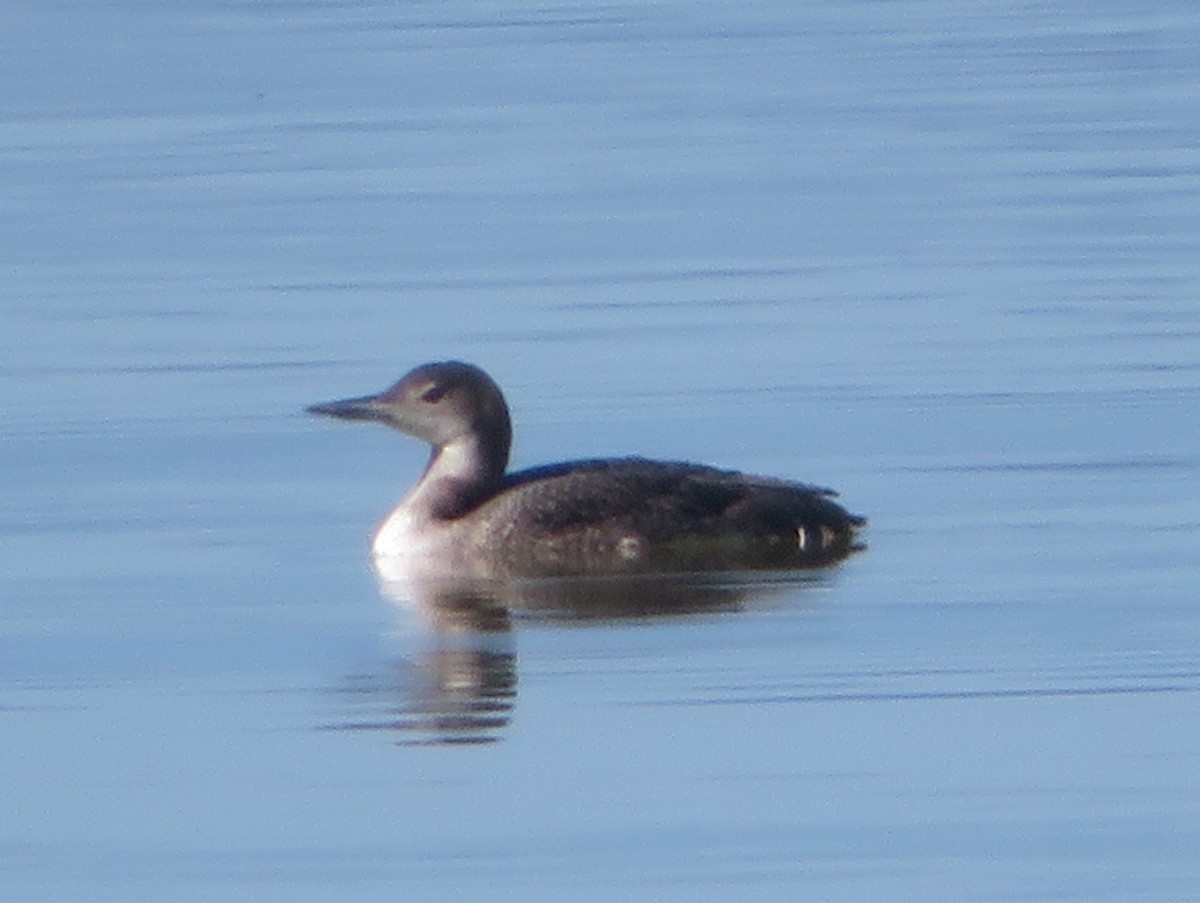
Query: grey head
[{"x": 445, "y": 403}]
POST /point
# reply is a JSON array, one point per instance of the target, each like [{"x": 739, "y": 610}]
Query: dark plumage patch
[{"x": 677, "y": 503}]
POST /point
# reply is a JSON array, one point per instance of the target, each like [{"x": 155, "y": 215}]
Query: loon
[{"x": 467, "y": 515}]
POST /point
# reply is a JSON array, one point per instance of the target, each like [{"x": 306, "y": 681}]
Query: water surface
[{"x": 940, "y": 258}]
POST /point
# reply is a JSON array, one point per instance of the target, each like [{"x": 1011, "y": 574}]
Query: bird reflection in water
[{"x": 460, "y": 688}]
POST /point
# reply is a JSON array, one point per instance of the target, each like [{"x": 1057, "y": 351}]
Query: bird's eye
[{"x": 433, "y": 394}]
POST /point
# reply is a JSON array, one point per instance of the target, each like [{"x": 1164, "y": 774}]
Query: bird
[{"x": 467, "y": 515}]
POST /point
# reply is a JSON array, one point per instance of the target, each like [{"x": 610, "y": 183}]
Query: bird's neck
[{"x": 460, "y": 475}]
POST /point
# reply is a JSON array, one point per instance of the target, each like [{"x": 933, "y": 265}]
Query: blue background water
[{"x": 941, "y": 256}]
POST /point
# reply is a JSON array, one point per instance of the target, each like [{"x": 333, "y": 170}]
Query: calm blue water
[{"x": 940, "y": 256}]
